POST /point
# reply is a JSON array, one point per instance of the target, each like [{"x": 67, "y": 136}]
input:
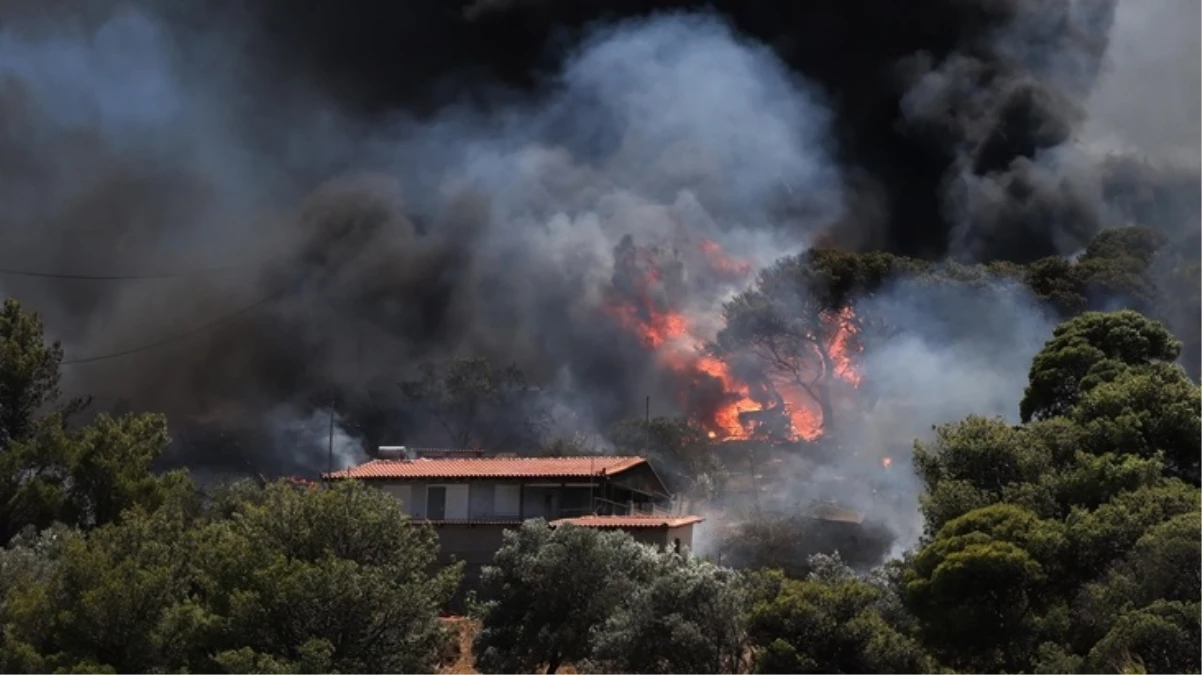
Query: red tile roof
[
  {"x": 627, "y": 522},
  {"x": 490, "y": 467}
]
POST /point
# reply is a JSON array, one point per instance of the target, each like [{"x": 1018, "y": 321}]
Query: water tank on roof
[{"x": 395, "y": 452}]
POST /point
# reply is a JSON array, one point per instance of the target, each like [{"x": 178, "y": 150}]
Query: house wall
[
  {"x": 664, "y": 536},
  {"x": 496, "y": 499},
  {"x": 684, "y": 534},
  {"x": 411, "y": 494},
  {"x": 500, "y": 499},
  {"x": 475, "y": 545}
]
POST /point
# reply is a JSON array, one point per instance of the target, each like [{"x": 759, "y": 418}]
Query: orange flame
[
  {"x": 678, "y": 346},
  {"x": 840, "y": 350},
  {"x": 722, "y": 263},
  {"x": 655, "y": 329}
]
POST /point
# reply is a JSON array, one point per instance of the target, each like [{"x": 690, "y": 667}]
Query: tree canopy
[
  {"x": 50, "y": 472},
  {"x": 1068, "y": 542},
  {"x": 259, "y": 580},
  {"x": 601, "y": 600}
]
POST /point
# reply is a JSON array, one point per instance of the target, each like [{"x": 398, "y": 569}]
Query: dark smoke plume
[
  {"x": 945, "y": 109},
  {"x": 394, "y": 182}
]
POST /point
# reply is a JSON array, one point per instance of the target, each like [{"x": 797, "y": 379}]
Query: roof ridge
[
  {"x": 478, "y": 467},
  {"x": 507, "y": 458}
]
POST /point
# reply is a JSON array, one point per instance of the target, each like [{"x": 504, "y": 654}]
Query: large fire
[{"x": 677, "y": 340}]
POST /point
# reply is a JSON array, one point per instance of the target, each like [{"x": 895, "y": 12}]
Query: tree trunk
[
  {"x": 828, "y": 411},
  {"x": 553, "y": 664}
]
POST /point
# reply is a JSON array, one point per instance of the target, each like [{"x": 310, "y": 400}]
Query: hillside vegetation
[{"x": 1067, "y": 543}]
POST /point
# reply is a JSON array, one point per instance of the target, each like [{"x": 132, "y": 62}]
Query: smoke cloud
[
  {"x": 421, "y": 180},
  {"x": 489, "y": 233}
]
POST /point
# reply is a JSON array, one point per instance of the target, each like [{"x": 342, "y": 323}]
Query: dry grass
[{"x": 458, "y": 659}]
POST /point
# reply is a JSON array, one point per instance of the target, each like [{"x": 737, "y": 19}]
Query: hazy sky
[{"x": 1149, "y": 95}]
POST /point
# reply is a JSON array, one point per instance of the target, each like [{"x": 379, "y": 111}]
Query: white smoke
[
  {"x": 125, "y": 156},
  {"x": 313, "y": 434},
  {"x": 1147, "y": 101}
]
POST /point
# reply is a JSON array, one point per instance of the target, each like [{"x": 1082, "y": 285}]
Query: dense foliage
[
  {"x": 110, "y": 568},
  {"x": 1067, "y": 543},
  {"x": 1061, "y": 545},
  {"x": 606, "y": 603},
  {"x": 257, "y": 580}
]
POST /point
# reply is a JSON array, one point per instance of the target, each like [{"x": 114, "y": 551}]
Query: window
[
  {"x": 676, "y": 544},
  {"x": 457, "y": 501},
  {"x": 508, "y": 500},
  {"x": 404, "y": 494},
  {"x": 436, "y": 502},
  {"x": 447, "y": 502}
]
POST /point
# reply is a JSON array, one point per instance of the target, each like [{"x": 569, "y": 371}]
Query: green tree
[
  {"x": 1116, "y": 267},
  {"x": 48, "y": 472},
  {"x": 978, "y": 462},
  {"x": 108, "y": 604},
  {"x": 1088, "y": 350},
  {"x": 111, "y": 468},
  {"x": 34, "y": 453},
  {"x": 1151, "y": 411},
  {"x": 830, "y": 622},
  {"x": 687, "y": 618},
  {"x": 1160, "y": 638},
  {"x": 28, "y": 559},
  {"x": 1101, "y": 536},
  {"x": 1162, "y": 564},
  {"x": 291, "y": 580},
  {"x": 29, "y": 374},
  {"x": 336, "y": 578},
  {"x": 981, "y": 585},
  {"x": 1048, "y": 541},
  {"x": 548, "y": 590}
]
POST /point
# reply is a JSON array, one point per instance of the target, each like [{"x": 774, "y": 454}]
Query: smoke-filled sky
[{"x": 393, "y": 182}]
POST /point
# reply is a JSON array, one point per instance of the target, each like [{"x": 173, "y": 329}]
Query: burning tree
[
  {"x": 652, "y": 298},
  {"x": 798, "y": 326},
  {"x": 788, "y": 345}
]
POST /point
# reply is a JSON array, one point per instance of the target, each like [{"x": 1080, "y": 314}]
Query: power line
[
  {"x": 174, "y": 338},
  {"x": 117, "y": 277}
]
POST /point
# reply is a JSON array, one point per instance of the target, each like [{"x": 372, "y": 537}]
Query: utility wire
[
  {"x": 174, "y": 338},
  {"x": 118, "y": 277}
]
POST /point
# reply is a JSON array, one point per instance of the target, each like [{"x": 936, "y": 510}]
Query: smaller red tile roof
[
  {"x": 297, "y": 481},
  {"x": 490, "y": 467},
  {"x": 469, "y": 521},
  {"x": 626, "y": 522}
]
